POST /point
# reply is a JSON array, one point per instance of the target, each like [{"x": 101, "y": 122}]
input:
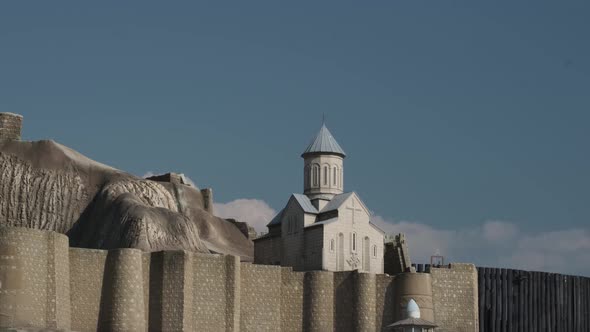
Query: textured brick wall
[
  {"x": 34, "y": 278},
  {"x": 291, "y": 300},
  {"x": 344, "y": 301},
  {"x": 86, "y": 276},
  {"x": 454, "y": 292},
  {"x": 318, "y": 305},
  {"x": 122, "y": 308},
  {"x": 10, "y": 126},
  {"x": 43, "y": 284},
  {"x": 209, "y": 311},
  {"x": 260, "y": 298},
  {"x": 384, "y": 304}
]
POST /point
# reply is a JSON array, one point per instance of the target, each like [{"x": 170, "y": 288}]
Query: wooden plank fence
[{"x": 523, "y": 301}]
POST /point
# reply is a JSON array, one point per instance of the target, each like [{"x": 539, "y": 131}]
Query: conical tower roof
[{"x": 324, "y": 142}]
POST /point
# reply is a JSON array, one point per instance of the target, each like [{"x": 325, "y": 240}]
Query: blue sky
[{"x": 459, "y": 118}]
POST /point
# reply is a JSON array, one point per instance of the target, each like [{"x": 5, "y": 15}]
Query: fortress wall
[
  {"x": 41, "y": 281},
  {"x": 210, "y": 292},
  {"x": 170, "y": 287},
  {"x": 291, "y": 300},
  {"x": 122, "y": 307},
  {"x": 260, "y": 305},
  {"x": 344, "y": 300},
  {"x": 34, "y": 278},
  {"x": 318, "y": 301},
  {"x": 86, "y": 277},
  {"x": 384, "y": 304},
  {"x": 455, "y": 297},
  {"x": 365, "y": 302}
]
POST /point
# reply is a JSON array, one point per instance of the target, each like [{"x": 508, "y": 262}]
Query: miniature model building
[{"x": 325, "y": 228}]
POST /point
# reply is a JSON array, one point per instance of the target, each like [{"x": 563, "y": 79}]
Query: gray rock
[{"x": 45, "y": 185}]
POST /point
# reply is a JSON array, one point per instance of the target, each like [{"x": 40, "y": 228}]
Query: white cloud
[
  {"x": 497, "y": 244},
  {"x": 493, "y": 243},
  {"x": 255, "y": 212},
  {"x": 499, "y": 231}
]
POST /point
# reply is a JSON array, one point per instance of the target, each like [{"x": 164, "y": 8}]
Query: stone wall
[
  {"x": 45, "y": 284},
  {"x": 454, "y": 292},
  {"x": 86, "y": 276},
  {"x": 10, "y": 126},
  {"x": 260, "y": 305},
  {"x": 268, "y": 250},
  {"x": 34, "y": 278}
]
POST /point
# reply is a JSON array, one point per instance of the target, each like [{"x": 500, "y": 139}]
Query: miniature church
[{"x": 325, "y": 228}]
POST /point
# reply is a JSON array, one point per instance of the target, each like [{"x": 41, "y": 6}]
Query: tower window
[
  {"x": 374, "y": 251},
  {"x": 332, "y": 245},
  {"x": 326, "y": 175},
  {"x": 334, "y": 175},
  {"x": 316, "y": 175}
]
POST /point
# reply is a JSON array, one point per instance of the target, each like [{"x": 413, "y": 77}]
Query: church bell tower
[{"x": 323, "y": 168}]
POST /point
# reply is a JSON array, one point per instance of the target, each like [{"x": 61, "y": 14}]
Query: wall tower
[{"x": 10, "y": 126}]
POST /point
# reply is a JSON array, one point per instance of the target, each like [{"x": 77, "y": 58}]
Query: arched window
[
  {"x": 316, "y": 175},
  {"x": 353, "y": 246},
  {"x": 334, "y": 175},
  {"x": 366, "y": 254},
  {"x": 326, "y": 175}
]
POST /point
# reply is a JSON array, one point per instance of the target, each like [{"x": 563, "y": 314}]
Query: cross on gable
[{"x": 353, "y": 209}]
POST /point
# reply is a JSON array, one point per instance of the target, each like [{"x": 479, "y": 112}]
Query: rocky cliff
[{"x": 48, "y": 186}]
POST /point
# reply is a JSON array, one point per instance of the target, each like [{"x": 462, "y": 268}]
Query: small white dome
[{"x": 413, "y": 309}]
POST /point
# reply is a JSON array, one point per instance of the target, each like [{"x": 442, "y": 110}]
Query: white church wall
[
  {"x": 359, "y": 230},
  {"x": 292, "y": 236}
]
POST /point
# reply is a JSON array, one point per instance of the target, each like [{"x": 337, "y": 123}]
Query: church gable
[
  {"x": 349, "y": 207},
  {"x": 354, "y": 210}
]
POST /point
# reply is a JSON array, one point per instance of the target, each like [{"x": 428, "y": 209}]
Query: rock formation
[{"x": 48, "y": 186}]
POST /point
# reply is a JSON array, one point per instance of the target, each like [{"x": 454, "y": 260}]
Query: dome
[{"x": 324, "y": 142}]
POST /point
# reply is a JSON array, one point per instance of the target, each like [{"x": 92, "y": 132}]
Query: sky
[{"x": 466, "y": 124}]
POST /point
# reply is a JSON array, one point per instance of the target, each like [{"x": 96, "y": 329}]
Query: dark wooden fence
[{"x": 522, "y": 301}]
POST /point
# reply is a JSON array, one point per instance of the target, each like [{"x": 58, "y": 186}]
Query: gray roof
[
  {"x": 336, "y": 201},
  {"x": 324, "y": 142},
  {"x": 277, "y": 219},
  {"x": 305, "y": 203}
]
